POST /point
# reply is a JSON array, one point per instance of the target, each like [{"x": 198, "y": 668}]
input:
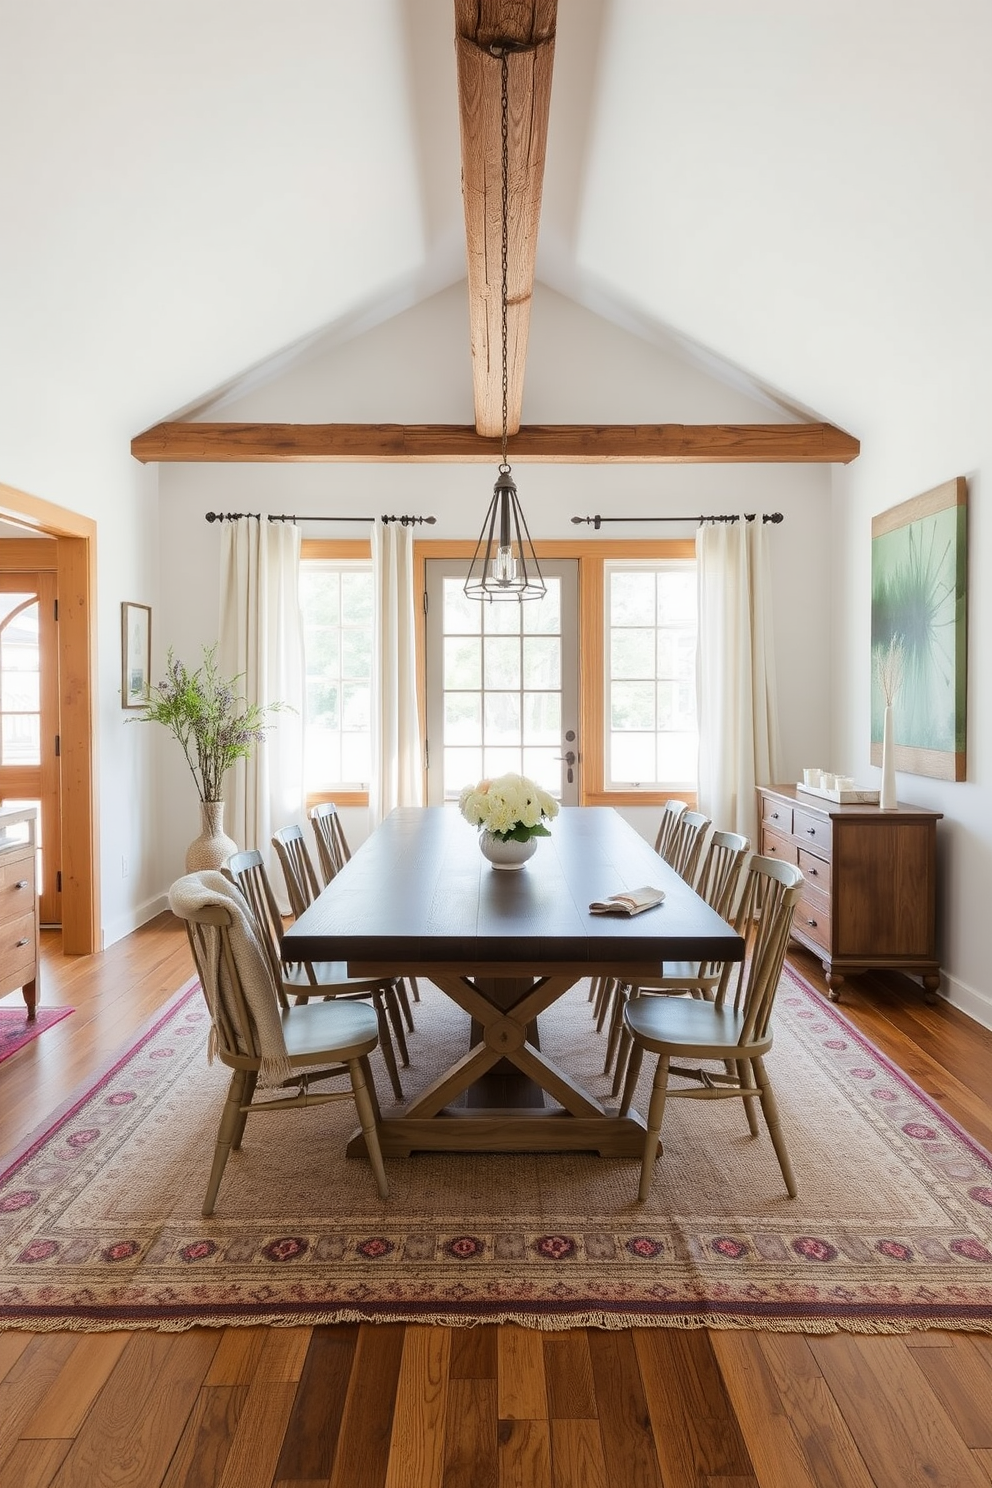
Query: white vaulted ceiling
[{"x": 192, "y": 189}]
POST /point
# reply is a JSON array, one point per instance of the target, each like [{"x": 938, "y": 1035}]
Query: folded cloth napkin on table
[
  {"x": 629, "y": 902},
  {"x": 195, "y": 891}
]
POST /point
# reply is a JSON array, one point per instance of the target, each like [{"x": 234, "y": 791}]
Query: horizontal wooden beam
[
  {"x": 567, "y": 444},
  {"x": 480, "y": 26}
]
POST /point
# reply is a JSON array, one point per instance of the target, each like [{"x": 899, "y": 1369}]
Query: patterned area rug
[
  {"x": 16, "y": 1031},
  {"x": 892, "y": 1230}
]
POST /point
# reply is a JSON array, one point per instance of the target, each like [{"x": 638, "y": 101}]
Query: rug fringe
[{"x": 543, "y": 1323}]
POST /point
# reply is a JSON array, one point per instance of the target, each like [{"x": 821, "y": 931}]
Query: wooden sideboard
[
  {"x": 19, "y": 903},
  {"x": 871, "y": 882}
]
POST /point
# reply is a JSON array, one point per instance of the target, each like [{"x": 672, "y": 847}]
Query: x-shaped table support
[{"x": 503, "y": 1010}]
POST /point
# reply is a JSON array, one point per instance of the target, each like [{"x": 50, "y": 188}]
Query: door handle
[{"x": 569, "y": 760}]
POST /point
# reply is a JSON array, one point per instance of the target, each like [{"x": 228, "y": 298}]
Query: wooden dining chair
[
  {"x": 332, "y": 854},
  {"x": 323, "y": 1041},
  {"x": 302, "y": 883},
  {"x": 735, "y": 1029},
  {"x": 670, "y": 818},
  {"x": 719, "y": 881},
  {"x": 672, "y": 814},
  {"x": 719, "y": 885},
  {"x": 303, "y": 886},
  {"x": 302, "y": 980},
  {"x": 686, "y": 845},
  {"x": 332, "y": 845}
]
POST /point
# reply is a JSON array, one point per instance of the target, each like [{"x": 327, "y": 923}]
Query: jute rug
[
  {"x": 100, "y": 1221},
  {"x": 16, "y": 1030}
]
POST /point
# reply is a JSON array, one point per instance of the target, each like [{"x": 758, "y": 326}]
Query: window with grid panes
[
  {"x": 650, "y": 729},
  {"x": 336, "y": 598}
]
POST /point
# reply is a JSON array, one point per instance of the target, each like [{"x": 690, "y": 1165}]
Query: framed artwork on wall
[
  {"x": 136, "y": 654},
  {"x": 919, "y": 569}
]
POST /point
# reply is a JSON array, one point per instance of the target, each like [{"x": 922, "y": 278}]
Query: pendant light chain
[
  {"x": 504, "y": 565},
  {"x": 505, "y": 245}
]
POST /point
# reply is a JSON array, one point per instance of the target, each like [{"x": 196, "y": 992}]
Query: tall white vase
[
  {"x": 213, "y": 847},
  {"x": 887, "y": 796}
]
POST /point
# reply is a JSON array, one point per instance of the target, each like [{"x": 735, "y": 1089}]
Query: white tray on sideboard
[{"x": 842, "y": 797}]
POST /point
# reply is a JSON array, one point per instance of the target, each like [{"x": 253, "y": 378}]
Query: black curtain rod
[
  {"x": 598, "y": 521},
  {"x": 405, "y": 521}
]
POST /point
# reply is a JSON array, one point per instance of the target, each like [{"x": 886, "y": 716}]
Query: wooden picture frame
[
  {"x": 919, "y": 567},
  {"x": 136, "y": 654}
]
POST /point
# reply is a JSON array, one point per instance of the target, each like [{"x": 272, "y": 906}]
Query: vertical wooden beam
[{"x": 527, "y": 27}]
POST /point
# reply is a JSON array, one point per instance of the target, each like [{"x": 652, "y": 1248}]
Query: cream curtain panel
[
  {"x": 397, "y": 777},
  {"x": 261, "y": 640},
  {"x": 735, "y": 673}
]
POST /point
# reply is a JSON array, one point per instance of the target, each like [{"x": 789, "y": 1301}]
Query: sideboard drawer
[
  {"x": 813, "y": 831},
  {"x": 812, "y": 917},
  {"x": 777, "y": 817},
  {"x": 17, "y": 946},
  {"x": 816, "y": 871},
  {"x": 777, "y": 847}
]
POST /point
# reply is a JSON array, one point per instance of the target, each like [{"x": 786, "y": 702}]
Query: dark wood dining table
[{"x": 418, "y": 899}]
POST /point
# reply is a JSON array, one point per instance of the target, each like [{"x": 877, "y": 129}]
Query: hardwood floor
[{"x": 386, "y": 1406}]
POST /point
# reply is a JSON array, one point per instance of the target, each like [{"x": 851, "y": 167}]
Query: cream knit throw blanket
[{"x": 195, "y": 891}]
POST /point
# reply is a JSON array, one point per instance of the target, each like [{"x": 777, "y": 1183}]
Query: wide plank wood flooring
[{"x": 389, "y": 1406}]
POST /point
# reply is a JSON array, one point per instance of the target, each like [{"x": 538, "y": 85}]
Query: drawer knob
[
  {"x": 22, "y": 883},
  {"x": 812, "y": 924},
  {"x": 774, "y": 816},
  {"x": 810, "y": 831},
  {"x": 23, "y": 940},
  {"x": 814, "y": 872}
]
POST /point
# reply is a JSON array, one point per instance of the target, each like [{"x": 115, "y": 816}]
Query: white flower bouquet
[{"x": 511, "y": 807}]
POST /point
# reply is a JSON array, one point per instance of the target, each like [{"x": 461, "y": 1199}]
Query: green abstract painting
[{"x": 918, "y": 607}]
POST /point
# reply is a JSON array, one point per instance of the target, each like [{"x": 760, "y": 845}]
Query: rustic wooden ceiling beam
[
  {"x": 481, "y": 25},
  {"x": 570, "y": 444}
]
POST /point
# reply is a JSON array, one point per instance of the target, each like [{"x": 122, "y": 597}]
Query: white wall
[
  {"x": 805, "y": 189},
  {"x": 416, "y": 368}
]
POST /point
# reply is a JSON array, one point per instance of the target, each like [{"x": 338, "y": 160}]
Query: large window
[
  {"x": 336, "y": 597},
  {"x": 650, "y": 734},
  {"x": 495, "y": 678}
]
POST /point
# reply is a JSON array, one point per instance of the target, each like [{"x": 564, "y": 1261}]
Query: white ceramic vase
[
  {"x": 887, "y": 795},
  {"x": 213, "y": 847},
  {"x": 506, "y": 854}
]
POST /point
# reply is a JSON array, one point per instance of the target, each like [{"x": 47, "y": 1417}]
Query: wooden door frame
[{"x": 75, "y": 564}]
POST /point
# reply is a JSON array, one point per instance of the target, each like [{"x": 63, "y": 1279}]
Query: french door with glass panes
[{"x": 502, "y": 684}]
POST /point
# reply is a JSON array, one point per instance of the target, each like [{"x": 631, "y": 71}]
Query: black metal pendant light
[{"x": 504, "y": 565}]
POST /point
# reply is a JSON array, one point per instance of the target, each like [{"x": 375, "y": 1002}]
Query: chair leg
[
  {"x": 230, "y": 1118},
  {"x": 656, "y": 1113},
  {"x": 633, "y": 1071},
  {"x": 370, "y": 1085},
  {"x": 404, "y": 998},
  {"x": 605, "y": 1001},
  {"x": 616, "y": 1023},
  {"x": 623, "y": 1060},
  {"x": 414, "y": 988},
  {"x": 742, "y": 1072},
  {"x": 594, "y": 985},
  {"x": 247, "y": 1096},
  {"x": 769, "y": 1109},
  {"x": 386, "y": 1045},
  {"x": 366, "y": 1116},
  {"x": 396, "y": 1019}
]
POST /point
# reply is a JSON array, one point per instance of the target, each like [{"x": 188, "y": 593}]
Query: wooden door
[{"x": 29, "y": 718}]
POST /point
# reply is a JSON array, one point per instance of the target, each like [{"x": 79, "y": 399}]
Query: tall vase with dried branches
[{"x": 889, "y": 661}]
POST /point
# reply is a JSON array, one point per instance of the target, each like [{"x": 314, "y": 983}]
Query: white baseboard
[
  {"x": 133, "y": 921},
  {"x": 977, "y": 1005}
]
